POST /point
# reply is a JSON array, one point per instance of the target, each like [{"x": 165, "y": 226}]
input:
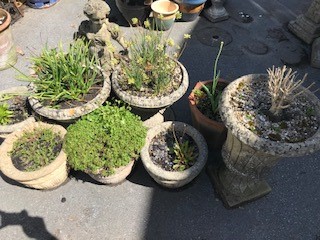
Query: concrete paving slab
[{"x": 139, "y": 208}]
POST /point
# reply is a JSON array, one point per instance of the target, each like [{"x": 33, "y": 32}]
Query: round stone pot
[
  {"x": 247, "y": 156},
  {"x": 150, "y": 109},
  {"x": 20, "y": 92},
  {"x": 48, "y": 177},
  {"x": 118, "y": 177},
  {"x": 70, "y": 115},
  {"x": 174, "y": 179},
  {"x": 214, "y": 132},
  {"x": 8, "y": 55},
  {"x": 164, "y": 14}
]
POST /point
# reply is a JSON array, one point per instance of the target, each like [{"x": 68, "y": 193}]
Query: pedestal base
[
  {"x": 231, "y": 200},
  {"x": 216, "y": 14},
  {"x": 305, "y": 29}
]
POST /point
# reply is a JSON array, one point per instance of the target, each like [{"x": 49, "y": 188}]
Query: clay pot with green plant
[
  {"x": 174, "y": 154},
  {"x": 150, "y": 79},
  {"x": 105, "y": 143},
  {"x": 204, "y": 105},
  {"x": 33, "y": 156},
  {"x": 268, "y": 116},
  {"x": 14, "y": 112},
  {"x": 67, "y": 85}
]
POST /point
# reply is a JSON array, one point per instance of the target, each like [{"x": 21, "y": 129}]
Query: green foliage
[
  {"x": 150, "y": 65},
  {"x": 185, "y": 154},
  {"x": 5, "y": 114},
  {"x": 61, "y": 76},
  {"x": 105, "y": 139},
  {"x": 212, "y": 93},
  {"x": 36, "y": 149}
]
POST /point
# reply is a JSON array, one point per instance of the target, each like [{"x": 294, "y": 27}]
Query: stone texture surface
[
  {"x": 48, "y": 177},
  {"x": 174, "y": 179},
  {"x": 315, "y": 55}
]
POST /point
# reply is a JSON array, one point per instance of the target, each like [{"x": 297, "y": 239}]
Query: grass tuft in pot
[
  {"x": 61, "y": 76},
  {"x": 5, "y": 114},
  {"x": 36, "y": 149},
  {"x": 105, "y": 139}
]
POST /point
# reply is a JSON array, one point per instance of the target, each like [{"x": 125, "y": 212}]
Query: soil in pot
[
  {"x": 296, "y": 123},
  {"x": 36, "y": 149},
  {"x": 17, "y": 105},
  {"x": 173, "y": 151}
]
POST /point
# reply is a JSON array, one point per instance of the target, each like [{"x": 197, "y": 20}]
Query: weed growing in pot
[
  {"x": 107, "y": 138},
  {"x": 36, "y": 149},
  {"x": 62, "y": 76},
  {"x": 5, "y": 114}
]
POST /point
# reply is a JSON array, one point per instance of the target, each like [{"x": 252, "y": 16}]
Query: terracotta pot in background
[
  {"x": 214, "y": 132},
  {"x": 190, "y": 11},
  {"x": 8, "y": 55}
]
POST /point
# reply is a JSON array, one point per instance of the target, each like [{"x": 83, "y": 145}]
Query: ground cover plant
[
  {"x": 35, "y": 149},
  {"x": 13, "y": 109},
  {"x": 107, "y": 138}
]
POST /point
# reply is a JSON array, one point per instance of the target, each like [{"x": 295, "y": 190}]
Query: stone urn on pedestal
[
  {"x": 216, "y": 12},
  {"x": 258, "y": 137}
]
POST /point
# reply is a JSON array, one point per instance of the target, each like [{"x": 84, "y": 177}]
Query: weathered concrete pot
[
  {"x": 174, "y": 179},
  {"x": 6, "y": 129},
  {"x": 70, "y": 115},
  {"x": 118, "y": 177},
  {"x": 150, "y": 109},
  {"x": 247, "y": 156},
  {"x": 48, "y": 177}
]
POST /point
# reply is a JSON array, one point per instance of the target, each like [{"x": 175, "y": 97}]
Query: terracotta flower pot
[
  {"x": 164, "y": 13},
  {"x": 8, "y": 55},
  {"x": 214, "y": 132},
  {"x": 48, "y": 177},
  {"x": 190, "y": 11},
  {"x": 174, "y": 179}
]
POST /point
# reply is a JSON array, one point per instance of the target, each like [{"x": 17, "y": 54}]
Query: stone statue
[{"x": 100, "y": 32}]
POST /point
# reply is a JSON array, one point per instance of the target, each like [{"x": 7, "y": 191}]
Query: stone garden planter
[
  {"x": 174, "y": 179},
  {"x": 118, "y": 177},
  {"x": 69, "y": 115},
  {"x": 48, "y": 177},
  {"x": 17, "y": 104},
  {"x": 247, "y": 156},
  {"x": 151, "y": 109}
]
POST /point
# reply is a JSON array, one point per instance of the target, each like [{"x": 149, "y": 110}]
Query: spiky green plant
[{"x": 5, "y": 114}]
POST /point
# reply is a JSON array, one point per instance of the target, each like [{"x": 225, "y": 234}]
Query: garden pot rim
[
  {"x": 151, "y": 102},
  {"x": 275, "y": 148},
  {"x": 7, "y": 22},
  {"x": 6, "y": 165},
  {"x": 9, "y": 128},
  {"x": 155, "y": 7},
  {"x": 175, "y": 175},
  {"x": 75, "y": 112}
]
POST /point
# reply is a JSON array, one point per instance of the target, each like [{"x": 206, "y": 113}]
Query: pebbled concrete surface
[{"x": 139, "y": 208}]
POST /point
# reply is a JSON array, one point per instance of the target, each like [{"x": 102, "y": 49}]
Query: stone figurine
[{"x": 100, "y": 32}]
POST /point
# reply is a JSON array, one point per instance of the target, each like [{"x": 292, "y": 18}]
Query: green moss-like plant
[
  {"x": 107, "y": 138},
  {"x": 36, "y": 149},
  {"x": 5, "y": 114}
]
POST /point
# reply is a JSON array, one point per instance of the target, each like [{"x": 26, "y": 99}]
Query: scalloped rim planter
[
  {"x": 48, "y": 177},
  {"x": 118, "y": 177},
  {"x": 151, "y": 102},
  {"x": 247, "y": 156},
  {"x": 174, "y": 179},
  {"x": 214, "y": 132},
  {"x": 71, "y": 114},
  {"x": 6, "y": 129}
]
